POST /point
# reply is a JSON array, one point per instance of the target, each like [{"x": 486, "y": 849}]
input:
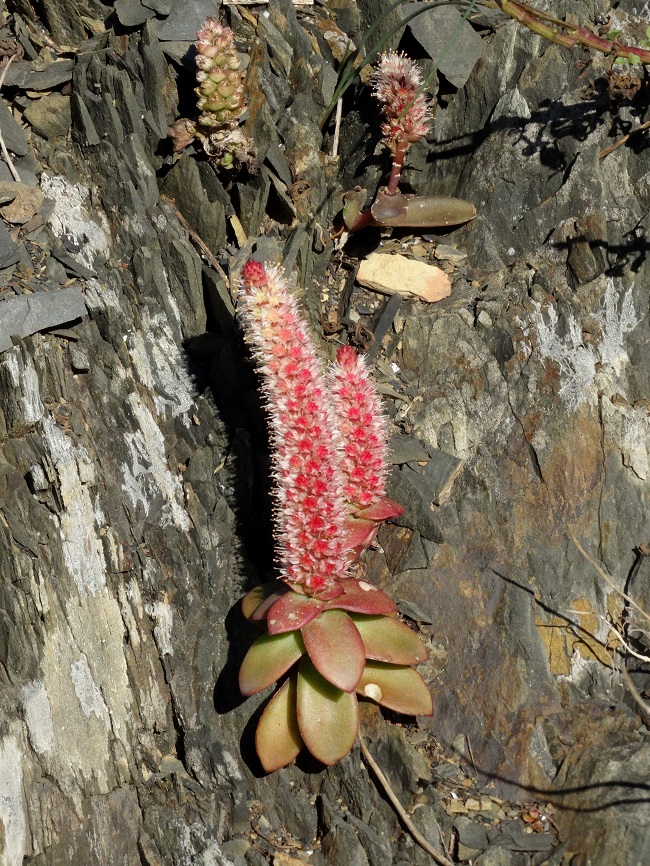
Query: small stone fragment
[
  {"x": 131, "y": 12},
  {"x": 50, "y": 116},
  {"x": 184, "y": 20},
  {"x": 9, "y": 250},
  {"x": 398, "y": 275},
  {"x": 24, "y": 205},
  {"x": 13, "y": 134}
]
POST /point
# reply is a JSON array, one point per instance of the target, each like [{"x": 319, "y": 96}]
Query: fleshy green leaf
[
  {"x": 268, "y": 658},
  {"x": 291, "y": 612},
  {"x": 328, "y": 718},
  {"x": 362, "y": 597},
  {"x": 277, "y": 738},
  {"x": 397, "y": 687},
  {"x": 389, "y": 640},
  {"x": 336, "y": 649},
  {"x": 251, "y": 603},
  {"x": 404, "y": 209}
]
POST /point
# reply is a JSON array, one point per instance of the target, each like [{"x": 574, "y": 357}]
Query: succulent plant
[
  {"x": 220, "y": 100},
  {"x": 328, "y": 636},
  {"x": 326, "y": 652},
  {"x": 399, "y": 86}
]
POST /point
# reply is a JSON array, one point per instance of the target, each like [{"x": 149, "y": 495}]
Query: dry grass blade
[
  {"x": 608, "y": 579},
  {"x": 406, "y": 820},
  {"x": 3, "y": 146},
  {"x": 634, "y": 692}
]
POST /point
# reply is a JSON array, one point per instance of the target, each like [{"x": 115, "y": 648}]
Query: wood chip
[{"x": 392, "y": 275}]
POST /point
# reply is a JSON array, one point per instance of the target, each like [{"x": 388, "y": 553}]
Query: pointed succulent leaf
[
  {"x": 359, "y": 533},
  {"x": 397, "y": 687},
  {"x": 336, "y": 649},
  {"x": 388, "y": 640},
  {"x": 251, "y": 603},
  {"x": 292, "y": 612},
  {"x": 277, "y": 738},
  {"x": 328, "y": 718},
  {"x": 353, "y": 203},
  {"x": 362, "y": 597},
  {"x": 382, "y": 510},
  {"x": 268, "y": 658}
]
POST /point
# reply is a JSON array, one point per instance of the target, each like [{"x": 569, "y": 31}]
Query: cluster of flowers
[
  {"x": 333, "y": 636},
  {"x": 220, "y": 100}
]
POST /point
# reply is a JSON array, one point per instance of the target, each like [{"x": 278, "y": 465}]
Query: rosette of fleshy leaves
[
  {"x": 329, "y": 637},
  {"x": 325, "y": 653},
  {"x": 220, "y": 99}
]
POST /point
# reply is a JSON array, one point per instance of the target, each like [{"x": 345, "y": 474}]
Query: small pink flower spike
[
  {"x": 362, "y": 446},
  {"x": 362, "y": 426},
  {"x": 397, "y": 82},
  {"x": 310, "y": 507}
]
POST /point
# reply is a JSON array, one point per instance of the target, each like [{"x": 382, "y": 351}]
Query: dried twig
[
  {"x": 608, "y": 580},
  {"x": 197, "y": 240},
  {"x": 337, "y": 126},
  {"x": 612, "y": 147},
  {"x": 3, "y": 146},
  {"x": 634, "y": 691},
  {"x": 406, "y": 820}
]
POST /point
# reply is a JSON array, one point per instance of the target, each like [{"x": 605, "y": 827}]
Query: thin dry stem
[
  {"x": 337, "y": 126},
  {"x": 406, "y": 820},
  {"x": 645, "y": 707},
  {"x": 608, "y": 580},
  {"x": 198, "y": 241},
  {"x": 3, "y": 146},
  {"x": 612, "y": 147}
]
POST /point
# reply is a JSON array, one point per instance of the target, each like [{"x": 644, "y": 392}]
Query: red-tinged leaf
[
  {"x": 359, "y": 533},
  {"x": 328, "y": 718},
  {"x": 267, "y": 592},
  {"x": 336, "y": 649},
  {"x": 389, "y": 640},
  {"x": 382, "y": 510},
  {"x": 277, "y": 738},
  {"x": 397, "y": 687},
  {"x": 268, "y": 658},
  {"x": 331, "y": 590},
  {"x": 362, "y": 597},
  {"x": 291, "y": 612}
]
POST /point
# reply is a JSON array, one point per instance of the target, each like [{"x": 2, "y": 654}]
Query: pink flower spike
[
  {"x": 397, "y": 82},
  {"x": 310, "y": 509},
  {"x": 362, "y": 428}
]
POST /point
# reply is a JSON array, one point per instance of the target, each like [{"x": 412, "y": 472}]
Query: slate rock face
[{"x": 134, "y": 464}]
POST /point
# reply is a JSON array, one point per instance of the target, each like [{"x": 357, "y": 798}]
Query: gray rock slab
[
  {"x": 131, "y": 13},
  {"x": 414, "y": 492},
  {"x": 12, "y": 132},
  {"x": 28, "y": 75},
  {"x": 406, "y": 449},
  {"x": 9, "y": 250},
  {"x": 31, "y": 313},
  {"x": 435, "y": 29},
  {"x": 185, "y": 19}
]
